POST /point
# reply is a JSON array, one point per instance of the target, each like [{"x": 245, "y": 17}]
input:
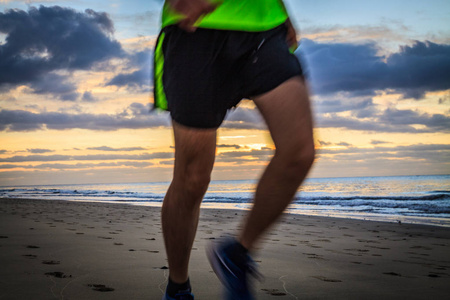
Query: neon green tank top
[{"x": 242, "y": 15}]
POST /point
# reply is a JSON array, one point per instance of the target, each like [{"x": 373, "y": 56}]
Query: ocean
[{"x": 405, "y": 199}]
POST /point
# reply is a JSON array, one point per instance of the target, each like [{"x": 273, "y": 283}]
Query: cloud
[
  {"x": 419, "y": 149},
  {"x": 136, "y": 116},
  {"x": 58, "y": 166},
  {"x": 336, "y": 105},
  {"x": 57, "y": 157},
  {"x": 229, "y": 146},
  {"x": 345, "y": 67},
  {"x": 244, "y": 118},
  {"x": 88, "y": 97},
  {"x": 139, "y": 79},
  {"x": 44, "y": 40},
  {"x": 39, "y": 151},
  {"x": 412, "y": 159},
  {"x": 389, "y": 120},
  {"x": 435, "y": 122},
  {"x": 57, "y": 85},
  {"x": 106, "y": 148},
  {"x": 324, "y": 143},
  {"x": 344, "y": 144},
  {"x": 254, "y": 155},
  {"x": 377, "y": 142}
]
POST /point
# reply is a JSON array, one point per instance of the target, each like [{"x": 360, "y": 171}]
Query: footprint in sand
[
  {"x": 51, "y": 262},
  {"x": 314, "y": 256},
  {"x": 323, "y": 240},
  {"x": 100, "y": 287},
  {"x": 58, "y": 275},
  {"x": 326, "y": 279},
  {"x": 274, "y": 292},
  {"x": 421, "y": 247}
]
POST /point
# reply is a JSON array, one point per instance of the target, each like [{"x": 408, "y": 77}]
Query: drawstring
[{"x": 255, "y": 58}]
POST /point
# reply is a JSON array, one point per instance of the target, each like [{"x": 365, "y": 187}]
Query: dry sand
[{"x": 68, "y": 250}]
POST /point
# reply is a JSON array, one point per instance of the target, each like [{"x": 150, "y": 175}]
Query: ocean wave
[
  {"x": 409, "y": 201},
  {"x": 440, "y": 196}
]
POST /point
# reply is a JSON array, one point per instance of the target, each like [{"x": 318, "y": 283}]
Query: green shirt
[{"x": 242, "y": 15}]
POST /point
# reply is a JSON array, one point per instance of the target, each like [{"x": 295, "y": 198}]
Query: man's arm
[
  {"x": 291, "y": 37},
  {"x": 192, "y": 10}
]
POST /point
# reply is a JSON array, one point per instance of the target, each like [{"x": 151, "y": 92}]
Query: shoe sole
[{"x": 216, "y": 264}]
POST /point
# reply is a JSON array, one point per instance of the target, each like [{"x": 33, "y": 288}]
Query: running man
[{"x": 210, "y": 55}]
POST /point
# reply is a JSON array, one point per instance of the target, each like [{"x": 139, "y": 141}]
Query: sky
[{"x": 76, "y": 93}]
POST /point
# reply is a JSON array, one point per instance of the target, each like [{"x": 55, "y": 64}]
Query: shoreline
[
  {"x": 404, "y": 219},
  {"x": 84, "y": 250}
]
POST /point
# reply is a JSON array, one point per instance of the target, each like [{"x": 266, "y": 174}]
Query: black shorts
[{"x": 205, "y": 73}]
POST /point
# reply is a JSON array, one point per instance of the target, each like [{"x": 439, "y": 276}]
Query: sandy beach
[{"x": 76, "y": 250}]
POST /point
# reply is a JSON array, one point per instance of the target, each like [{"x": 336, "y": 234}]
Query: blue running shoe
[
  {"x": 232, "y": 274},
  {"x": 180, "y": 296}
]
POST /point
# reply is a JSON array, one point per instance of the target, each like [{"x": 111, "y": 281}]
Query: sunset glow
[{"x": 75, "y": 100}]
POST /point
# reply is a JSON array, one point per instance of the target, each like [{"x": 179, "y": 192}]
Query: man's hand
[
  {"x": 291, "y": 37},
  {"x": 192, "y": 10}
]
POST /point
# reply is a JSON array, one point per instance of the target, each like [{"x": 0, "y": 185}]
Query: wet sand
[{"x": 75, "y": 250}]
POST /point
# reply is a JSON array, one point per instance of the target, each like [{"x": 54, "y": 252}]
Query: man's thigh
[
  {"x": 286, "y": 110},
  {"x": 194, "y": 151}
]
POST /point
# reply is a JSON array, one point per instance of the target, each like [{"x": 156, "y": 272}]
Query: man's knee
[
  {"x": 196, "y": 184},
  {"x": 298, "y": 158},
  {"x": 192, "y": 184}
]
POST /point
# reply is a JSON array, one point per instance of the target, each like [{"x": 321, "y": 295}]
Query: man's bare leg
[
  {"x": 286, "y": 110},
  {"x": 194, "y": 159}
]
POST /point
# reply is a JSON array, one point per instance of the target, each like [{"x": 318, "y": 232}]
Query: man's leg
[
  {"x": 286, "y": 110},
  {"x": 194, "y": 159}
]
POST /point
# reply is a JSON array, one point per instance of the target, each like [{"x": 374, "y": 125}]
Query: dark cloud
[
  {"x": 345, "y": 67},
  {"x": 56, "y": 85},
  {"x": 415, "y": 148},
  {"x": 344, "y": 144},
  {"x": 323, "y": 143},
  {"x": 48, "y": 158},
  {"x": 246, "y": 156},
  {"x": 39, "y": 151},
  {"x": 436, "y": 122},
  {"x": 44, "y": 40},
  {"x": 335, "y": 106},
  {"x": 136, "y": 116},
  {"x": 244, "y": 118},
  {"x": 139, "y": 79},
  {"x": 377, "y": 142},
  {"x": 105, "y": 148},
  {"x": 389, "y": 120},
  {"x": 88, "y": 97},
  {"x": 229, "y": 146},
  {"x": 77, "y": 166},
  {"x": 438, "y": 153}
]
